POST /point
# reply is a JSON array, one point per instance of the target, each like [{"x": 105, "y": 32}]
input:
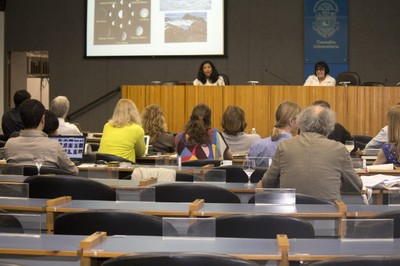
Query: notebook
[{"x": 74, "y": 146}]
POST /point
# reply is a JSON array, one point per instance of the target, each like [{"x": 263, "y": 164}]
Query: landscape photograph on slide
[{"x": 186, "y": 27}]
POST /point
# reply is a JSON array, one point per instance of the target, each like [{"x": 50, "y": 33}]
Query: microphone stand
[{"x": 277, "y": 76}]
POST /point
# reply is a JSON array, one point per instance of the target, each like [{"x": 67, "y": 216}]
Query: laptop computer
[{"x": 74, "y": 146}]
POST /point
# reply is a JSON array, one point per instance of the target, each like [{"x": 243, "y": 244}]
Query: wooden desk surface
[
  {"x": 299, "y": 210},
  {"x": 322, "y": 249},
  {"x": 247, "y": 248},
  {"x": 23, "y": 204},
  {"x": 363, "y": 211},
  {"x": 43, "y": 245}
]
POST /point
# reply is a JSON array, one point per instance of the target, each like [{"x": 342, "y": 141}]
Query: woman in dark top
[{"x": 154, "y": 125}]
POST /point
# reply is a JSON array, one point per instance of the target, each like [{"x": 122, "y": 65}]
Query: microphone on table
[{"x": 277, "y": 76}]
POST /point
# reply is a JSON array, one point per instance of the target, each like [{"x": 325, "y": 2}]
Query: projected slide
[{"x": 155, "y": 27}]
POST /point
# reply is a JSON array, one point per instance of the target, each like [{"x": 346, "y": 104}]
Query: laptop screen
[{"x": 74, "y": 146}]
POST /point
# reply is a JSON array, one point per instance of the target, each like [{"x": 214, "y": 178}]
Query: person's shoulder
[{"x": 253, "y": 137}]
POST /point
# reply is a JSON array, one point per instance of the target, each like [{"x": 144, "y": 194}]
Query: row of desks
[
  {"x": 52, "y": 208},
  {"x": 86, "y": 251}
]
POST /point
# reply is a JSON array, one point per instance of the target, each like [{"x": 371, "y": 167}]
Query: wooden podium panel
[{"x": 362, "y": 110}]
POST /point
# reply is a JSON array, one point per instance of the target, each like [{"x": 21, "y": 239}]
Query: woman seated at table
[
  {"x": 233, "y": 125},
  {"x": 208, "y": 75},
  {"x": 200, "y": 141},
  {"x": 285, "y": 125},
  {"x": 155, "y": 126},
  {"x": 123, "y": 135},
  {"x": 390, "y": 151}
]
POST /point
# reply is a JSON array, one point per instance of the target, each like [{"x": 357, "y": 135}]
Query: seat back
[
  {"x": 10, "y": 224},
  {"x": 114, "y": 222},
  {"x": 395, "y": 215},
  {"x": 259, "y": 226},
  {"x": 204, "y": 162},
  {"x": 226, "y": 78},
  {"x": 351, "y": 77},
  {"x": 234, "y": 173},
  {"x": 81, "y": 188},
  {"x": 188, "y": 192},
  {"x": 301, "y": 199},
  {"x": 29, "y": 170},
  {"x": 178, "y": 259},
  {"x": 258, "y": 174},
  {"x": 110, "y": 157}
]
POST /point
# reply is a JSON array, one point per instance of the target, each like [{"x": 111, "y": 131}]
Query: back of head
[
  {"x": 125, "y": 113},
  {"x": 393, "y": 117},
  {"x": 199, "y": 123},
  {"x": 60, "y": 106},
  {"x": 316, "y": 119},
  {"x": 31, "y": 111},
  {"x": 233, "y": 120},
  {"x": 51, "y": 123},
  {"x": 20, "y": 96},
  {"x": 321, "y": 64},
  {"x": 153, "y": 121},
  {"x": 286, "y": 111},
  {"x": 322, "y": 103}
]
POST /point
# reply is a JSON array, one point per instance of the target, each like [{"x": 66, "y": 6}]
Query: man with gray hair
[
  {"x": 60, "y": 107},
  {"x": 311, "y": 163}
]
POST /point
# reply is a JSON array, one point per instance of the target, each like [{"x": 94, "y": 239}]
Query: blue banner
[{"x": 326, "y": 34}]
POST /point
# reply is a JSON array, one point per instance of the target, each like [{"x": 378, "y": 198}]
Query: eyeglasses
[{"x": 320, "y": 69}]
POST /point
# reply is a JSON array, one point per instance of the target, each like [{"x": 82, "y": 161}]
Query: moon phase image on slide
[{"x": 122, "y": 22}]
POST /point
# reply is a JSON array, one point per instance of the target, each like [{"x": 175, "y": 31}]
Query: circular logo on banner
[{"x": 325, "y": 18}]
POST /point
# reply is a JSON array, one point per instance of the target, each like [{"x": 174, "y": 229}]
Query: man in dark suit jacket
[{"x": 11, "y": 120}]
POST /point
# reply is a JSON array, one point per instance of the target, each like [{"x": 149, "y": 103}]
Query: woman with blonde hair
[
  {"x": 155, "y": 126},
  {"x": 285, "y": 125},
  {"x": 199, "y": 141},
  {"x": 390, "y": 151},
  {"x": 123, "y": 134}
]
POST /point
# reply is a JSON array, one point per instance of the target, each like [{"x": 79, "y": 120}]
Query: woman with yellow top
[{"x": 123, "y": 135}]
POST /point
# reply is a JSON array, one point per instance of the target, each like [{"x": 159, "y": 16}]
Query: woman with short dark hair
[{"x": 321, "y": 76}]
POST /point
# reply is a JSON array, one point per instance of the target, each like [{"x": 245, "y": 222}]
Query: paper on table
[
  {"x": 374, "y": 180},
  {"x": 388, "y": 166}
]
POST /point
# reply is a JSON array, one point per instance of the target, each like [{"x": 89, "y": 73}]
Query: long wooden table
[
  {"x": 44, "y": 250},
  {"x": 361, "y": 110}
]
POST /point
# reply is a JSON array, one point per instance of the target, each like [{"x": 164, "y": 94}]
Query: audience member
[
  {"x": 285, "y": 125},
  {"x": 208, "y": 75},
  {"x": 380, "y": 139},
  {"x": 155, "y": 126},
  {"x": 199, "y": 140},
  {"x": 389, "y": 152},
  {"x": 123, "y": 134},
  {"x": 233, "y": 125},
  {"x": 50, "y": 123},
  {"x": 33, "y": 141},
  {"x": 311, "y": 163},
  {"x": 60, "y": 107},
  {"x": 11, "y": 120},
  {"x": 339, "y": 133},
  {"x": 321, "y": 76}
]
